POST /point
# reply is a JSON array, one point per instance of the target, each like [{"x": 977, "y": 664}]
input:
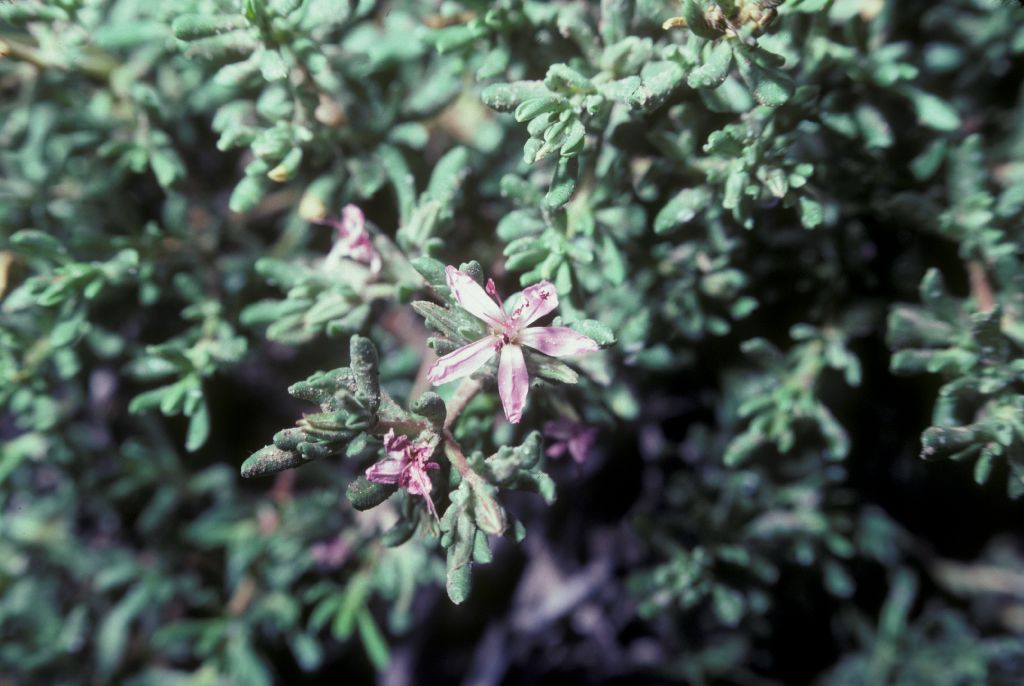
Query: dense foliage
[{"x": 758, "y": 257}]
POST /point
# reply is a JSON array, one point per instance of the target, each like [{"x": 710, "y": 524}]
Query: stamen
[{"x": 492, "y": 291}]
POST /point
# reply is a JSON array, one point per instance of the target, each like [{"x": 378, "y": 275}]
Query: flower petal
[
  {"x": 472, "y": 297},
  {"x": 513, "y": 382},
  {"x": 419, "y": 484},
  {"x": 387, "y": 471},
  {"x": 353, "y": 221},
  {"x": 535, "y": 302},
  {"x": 559, "y": 429},
  {"x": 462, "y": 362},
  {"x": 395, "y": 442},
  {"x": 557, "y": 341},
  {"x": 581, "y": 444},
  {"x": 556, "y": 450}
]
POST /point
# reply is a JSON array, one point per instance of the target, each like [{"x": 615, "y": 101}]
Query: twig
[
  {"x": 96, "y": 64},
  {"x": 437, "y": 21},
  {"x": 981, "y": 289},
  {"x": 457, "y": 457},
  {"x": 6, "y": 259},
  {"x": 463, "y": 394},
  {"x": 244, "y": 592},
  {"x": 978, "y": 578},
  {"x": 284, "y": 484}
]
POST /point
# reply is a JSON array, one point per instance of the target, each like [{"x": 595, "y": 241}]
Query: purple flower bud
[{"x": 352, "y": 240}]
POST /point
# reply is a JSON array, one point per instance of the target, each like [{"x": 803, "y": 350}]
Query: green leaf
[
  {"x": 451, "y": 38},
  {"x": 364, "y": 494},
  {"x": 717, "y": 58},
  {"x": 693, "y": 12},
  {"x": 681, "y": 209},
  {"x": 595, "y": 330},
  {"x": 245, "y": 665},
  {"x": 562, "y": 77},
  {"x": 307, "y": 651},
  {"x": 812, "y": 214},
  {"x": 622, "y": 90},
  {"x": 741, "y": 448},
  {"x": 352, "y": 605},
  {"x": 659, "y": 79},
  {"x": 167, "y": 166},
  {"x": 932, "y": 111},
  {"x": 22, "y": 12},
  {"x": 364, "y": 364},
  {"x": 482, "y": 549},
  {"x": 506, "y": 97},
  {"x": 575, "y": 136},
  {"x": 616, "y": 16},
  {"x": 398, "y": 534},
  {"x": 942, "y": 441},
  {"x": 431, "y": 406},
  {"x": 67, "y": 331},
  {"x": 233, "y": 45},
  {"x": 247, "y": 194},
  {"x": 983, "y": 467},
  {"x": 729, "y": 605},
  {"x": 288, "y": 167},
  {"x": 112, "y": 637},
  {"x": 373, "y": 640},
  {"x": 533, "y": 107},
  {"x": 769, "y": 86},
  {"x": 147, "y": 400},
  {"x": 198, "y": 428},
  {"x": 448, "y": 176},
  {"x": 270, "y": 460},
  {"x": 38, "y": 244},
  {"x": 440, "y": 319},
  {"x": 488, "y": 514},
  {"x": 494, "y": 64},
  {"x": 874, "y": 127},
  {"x": 432, "y": 270},
  {"x": 458, "y": 584},
  {"x": 189, "y": 27},
  {"x": 563, "y": 183}
]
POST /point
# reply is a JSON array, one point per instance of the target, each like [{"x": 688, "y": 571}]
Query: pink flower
[
  {"x": 507, "y": 334},
  {"x": 353, "y": 241},
  {"x": 405, "y": 464},
  {"x": 573, "y": 437},
  {"x": 331, "y": 554}
]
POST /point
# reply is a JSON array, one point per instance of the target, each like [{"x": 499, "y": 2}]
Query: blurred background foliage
[{"x": 799, "y": 222}]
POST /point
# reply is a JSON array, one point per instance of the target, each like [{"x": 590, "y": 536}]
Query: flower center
[{"x": 508, "y": 336}]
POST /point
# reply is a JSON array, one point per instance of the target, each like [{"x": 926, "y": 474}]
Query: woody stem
[
  {"x": 980, "y": 286},
  {"x": 458, "y": 458},
  {"x": 463, "y": 394}
]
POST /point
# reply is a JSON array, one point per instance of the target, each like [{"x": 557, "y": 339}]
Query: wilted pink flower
[
  {"x": 330, "y": 554},
  {"x": 507, "y": 334},
  {"x": 574, "y": 437},
  {"x": 405, "y": 464},
  {"x": 353, "y": 241}
]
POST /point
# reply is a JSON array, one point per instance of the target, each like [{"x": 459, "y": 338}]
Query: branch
[
  {"x": 463, "y": 394},
  {"x": 457, "y": 457},
  {"x": 981, "y": 289}
]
